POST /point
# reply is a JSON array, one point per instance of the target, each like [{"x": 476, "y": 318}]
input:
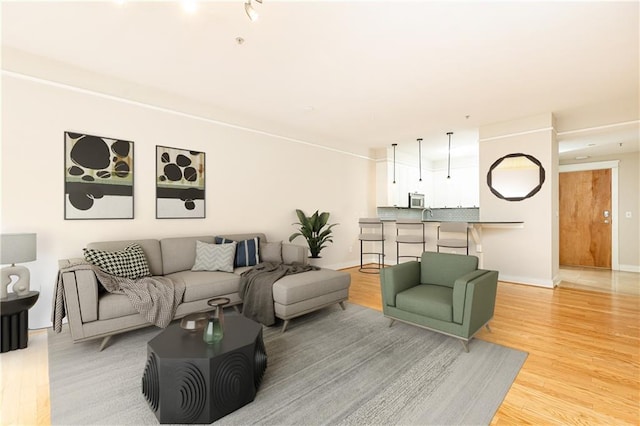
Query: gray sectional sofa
[{"x": 93, "y": 314}]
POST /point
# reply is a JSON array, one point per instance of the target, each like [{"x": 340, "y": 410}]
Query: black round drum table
[
  {"x": 187, "y": 380},
  {"x": 14, "y": 320}
]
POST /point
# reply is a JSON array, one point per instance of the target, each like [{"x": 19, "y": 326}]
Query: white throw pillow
[{"x": 214, "y": 257}]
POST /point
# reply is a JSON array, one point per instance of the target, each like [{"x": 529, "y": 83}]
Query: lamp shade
[{"x": 17, "y": 248}]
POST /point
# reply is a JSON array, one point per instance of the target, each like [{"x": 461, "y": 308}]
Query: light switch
[{"x": 627, "y": 215}]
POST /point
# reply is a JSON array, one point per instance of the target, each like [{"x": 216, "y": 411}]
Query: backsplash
[{"x": 461, "y": 214}]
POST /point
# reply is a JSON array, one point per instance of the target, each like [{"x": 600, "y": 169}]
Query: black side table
[
  {"x": 14, "y": 320},
  {"x": 189, "y": 381}
]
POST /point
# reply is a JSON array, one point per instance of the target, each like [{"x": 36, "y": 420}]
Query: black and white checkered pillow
[{"x": 128, "y": 263}]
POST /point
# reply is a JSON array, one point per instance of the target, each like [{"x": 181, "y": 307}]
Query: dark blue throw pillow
[{"x": 246, "y": 251}]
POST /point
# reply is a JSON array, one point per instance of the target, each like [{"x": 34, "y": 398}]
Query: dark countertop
[
  {"x": 425, "y": 208},
  {"x": 478, "y": 222}
]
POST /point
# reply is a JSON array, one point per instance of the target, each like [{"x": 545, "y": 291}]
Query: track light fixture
[
  {"x": 251, "y": 12},
  {"x": 420, "y": 158},
  {"x": 394, "y": 161},
  {"x": 449, "y": 160}
]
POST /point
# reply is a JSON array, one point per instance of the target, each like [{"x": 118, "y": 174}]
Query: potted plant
[{"x": 315, "y": 230}]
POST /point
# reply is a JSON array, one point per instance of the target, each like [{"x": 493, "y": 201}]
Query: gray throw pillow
[
  {"x": 214, "y": 257},
  {"x": 271, "y": 252}
]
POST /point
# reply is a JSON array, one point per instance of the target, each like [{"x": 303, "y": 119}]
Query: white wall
[
  {"x": 460, "y": 190},
  {"x": 254, "y": 181},
  {"x": 528, "y": 255}
]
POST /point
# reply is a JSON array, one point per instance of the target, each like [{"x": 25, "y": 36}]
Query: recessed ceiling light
[{"x": 190, "y": 6}]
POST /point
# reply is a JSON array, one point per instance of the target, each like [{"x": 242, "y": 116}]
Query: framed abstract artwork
[
  {"x": 98, "y": 177},
  {"x": 180, "y": 183}
]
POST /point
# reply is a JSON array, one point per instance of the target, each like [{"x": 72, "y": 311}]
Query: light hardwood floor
[{"x": 583, "y": 364}]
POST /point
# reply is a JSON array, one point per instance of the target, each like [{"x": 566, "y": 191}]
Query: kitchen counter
[
  {"x": 453, "y": 214},
  {"x": 471, "y": 222},
  {"x": 476, "y": 227}
]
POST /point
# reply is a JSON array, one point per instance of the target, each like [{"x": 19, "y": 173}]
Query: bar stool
[
  {"x": 409, "y": 225},
  {"x": 457, "y": 227},
  {"x": 371, "y": 231}
]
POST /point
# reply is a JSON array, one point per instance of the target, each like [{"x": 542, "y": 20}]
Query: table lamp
[{"x": 16, "y": 248}]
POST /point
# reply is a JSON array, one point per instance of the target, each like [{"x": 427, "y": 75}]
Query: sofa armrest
[
  {"x": 294, "y": 253},
  {"x": 81, "y": 294},
  {"x": 397, "y": 278},
  {"x": 480, "y": 301}
]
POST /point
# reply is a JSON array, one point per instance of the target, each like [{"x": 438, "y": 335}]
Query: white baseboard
[
  {"x": 630, "y": 268},
  {"x": 341, "y": 265},
  {"x": 527, "y": 280}
]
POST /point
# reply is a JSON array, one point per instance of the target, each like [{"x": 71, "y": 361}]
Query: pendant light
[
  {"x": 420, "y": 158},
  {"x": 449, "y": 161},
  {"x": 394, "y": 161}
]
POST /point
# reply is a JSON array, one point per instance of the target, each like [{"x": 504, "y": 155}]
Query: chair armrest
[
  {"x": 480, "y": 301},
  {"x": 460, "y": 293},
  {"x": 397, "y": 278}
]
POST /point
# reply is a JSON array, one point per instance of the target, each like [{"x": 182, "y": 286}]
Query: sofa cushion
[
  {"x": 179, "y": 254},
  {"x": 307, "y": 285},
  {"x": 114, "y": 306},
  {"x": 247, "y": 251},
  {"x": 271, "y": 252},
  {"x": 445, "y": 268},
  {"x": 431, "y": 301},
  {"x": 128, "y": 263},
  {"x": 203, "y": 285},
  {"x": 214, "y": 257}
]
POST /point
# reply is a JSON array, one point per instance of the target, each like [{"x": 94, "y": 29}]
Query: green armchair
[{"x": 445, "y": 293}]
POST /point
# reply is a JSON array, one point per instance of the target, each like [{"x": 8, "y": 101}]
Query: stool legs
[{"x": 371, "y": 269}]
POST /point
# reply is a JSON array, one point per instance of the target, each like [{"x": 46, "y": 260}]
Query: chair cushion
[
  {"x": 445, "y": 268},
  {"x": 431, "y": 301}
]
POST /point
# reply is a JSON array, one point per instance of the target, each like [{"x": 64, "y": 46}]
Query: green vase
[{"x": 213, "y": 332}]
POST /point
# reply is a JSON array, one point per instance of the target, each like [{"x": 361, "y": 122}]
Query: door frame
[{"x": 598, "y": 165}]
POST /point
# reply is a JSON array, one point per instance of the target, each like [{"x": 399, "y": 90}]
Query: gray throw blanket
[
  {"x": 156, "y": 298},
  {"x": 256, "y": 288}
]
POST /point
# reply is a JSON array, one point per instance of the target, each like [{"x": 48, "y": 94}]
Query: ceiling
[{"x": 356, "y": 75}]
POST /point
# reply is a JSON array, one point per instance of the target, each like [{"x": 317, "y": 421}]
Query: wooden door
[{"x": 585, "y": 218}]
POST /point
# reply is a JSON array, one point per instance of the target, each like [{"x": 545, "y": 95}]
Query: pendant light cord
[
  {"x": 449, "y": 159},
  {"x": 394, "y": 161},
  {"x": 420, "y": 158}
]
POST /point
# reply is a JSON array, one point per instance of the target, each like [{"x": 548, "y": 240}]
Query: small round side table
[{"x": 14, "y": 320}]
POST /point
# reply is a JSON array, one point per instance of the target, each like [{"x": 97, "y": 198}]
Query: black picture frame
[
  {"x": 98, "y": 177},
  {"x": 180, "y": 183}
]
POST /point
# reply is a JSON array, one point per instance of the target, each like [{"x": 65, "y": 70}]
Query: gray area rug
[{"x": 330, "y": 367}]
